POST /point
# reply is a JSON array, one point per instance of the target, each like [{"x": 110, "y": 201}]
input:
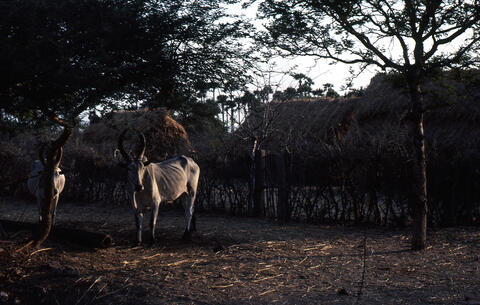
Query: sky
[{"x": 321, "y": 71}]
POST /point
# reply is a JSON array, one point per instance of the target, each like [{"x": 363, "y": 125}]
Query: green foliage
[
  {"x": 199, "y": 117},
  {"x": 205, "y": 49},
  {"x": 304, "y": 84},
  {"x": 61, "y": 55},
  {"x": 59, "y": 58},
  {"x": 285, "y": 95},
  {"x": 390, "y": 34},
  {"x": 304, "y": 89}
]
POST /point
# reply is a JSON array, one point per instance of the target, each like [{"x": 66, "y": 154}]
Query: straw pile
[
  {"x": 376, "y": 120},
  {"x": 165, "y": 137}
]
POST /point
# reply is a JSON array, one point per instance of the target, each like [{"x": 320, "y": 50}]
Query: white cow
[
  {"x": 149, "y": 184},
  {"x": 36, "y": 180}
]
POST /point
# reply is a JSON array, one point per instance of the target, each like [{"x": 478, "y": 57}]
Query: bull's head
[
  {"x": 56, "y": 159},
  {"x": 135, "y": 165},
  {"x": 38, "y": 166}
]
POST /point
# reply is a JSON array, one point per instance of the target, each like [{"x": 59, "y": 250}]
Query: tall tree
[
  {"x": 411, "y": 37},
  {"x": 205, "y": 47},
  {"x": 304, "y": 84},
  {"x": 60, "y": 58}
]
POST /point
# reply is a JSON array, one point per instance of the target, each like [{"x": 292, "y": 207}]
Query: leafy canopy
[
  {"x": 59, "y": 58},
  {"x": 391, "y": 34}
]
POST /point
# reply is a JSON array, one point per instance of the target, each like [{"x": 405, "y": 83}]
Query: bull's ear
[{"x": 145, "y": 161}]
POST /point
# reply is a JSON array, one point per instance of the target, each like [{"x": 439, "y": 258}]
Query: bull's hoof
[{"x": 187, "y": 235}]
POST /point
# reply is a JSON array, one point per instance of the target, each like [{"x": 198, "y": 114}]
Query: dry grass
[
  {"x": 378, "y": 118},
  {"x": 164, "y": 135},
  {"x": 237, "y": 261}
]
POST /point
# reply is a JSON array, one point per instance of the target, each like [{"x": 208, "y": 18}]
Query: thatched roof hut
[
  {"x": 165, "y": 137},
  {"x": 375, "y": 121}
]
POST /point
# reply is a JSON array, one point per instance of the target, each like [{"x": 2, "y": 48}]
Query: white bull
[
  {"x": 36, "y": 180},
  {"x": 150, "y": 184}
]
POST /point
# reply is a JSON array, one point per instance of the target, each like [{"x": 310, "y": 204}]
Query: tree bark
[
  {"x": 251, "y": 180},
  {"x": 283, "y": 214},
  {"x": 47, "y": 183},
  {"x": 259, "y": 188},
  {"x": 417, "y": 160}
]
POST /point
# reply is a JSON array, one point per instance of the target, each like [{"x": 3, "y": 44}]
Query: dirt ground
[{"x": 235, "y": 261}]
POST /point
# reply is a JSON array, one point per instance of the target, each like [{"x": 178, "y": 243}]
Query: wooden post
[
  {"x": 259, "y": 190},
  {"x": 283, "y": 214}
]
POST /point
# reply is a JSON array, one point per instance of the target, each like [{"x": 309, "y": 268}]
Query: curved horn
[
  {"x": 40, "y": 154},
  {"x": 58, "y": 157},
  {"x": 143, "y": 145},
  {"x": 125, "y": 155}
]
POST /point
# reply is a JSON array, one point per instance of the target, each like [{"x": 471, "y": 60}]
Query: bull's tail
[{"x": 193, "y": 226}]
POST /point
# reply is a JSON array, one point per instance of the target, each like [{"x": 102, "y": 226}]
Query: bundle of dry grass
[
  {"x": 376, "y": 119},
  {"x": 452, "y": 116},
  {"x": 165, "y": 137}
]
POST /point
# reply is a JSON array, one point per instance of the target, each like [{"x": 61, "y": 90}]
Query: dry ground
[{"x": 235, "y": 261}]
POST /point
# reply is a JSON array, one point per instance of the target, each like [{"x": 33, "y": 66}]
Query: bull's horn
[
  {"x": 40, "y": 154},
  {"x": 125, "y": 155},
  {"x": 143, "y": 145},
  {"x": 58, "y": 157}
]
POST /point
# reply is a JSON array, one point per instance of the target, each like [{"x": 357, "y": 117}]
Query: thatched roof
[
  {"x": 375, "y": 121},
  {"x": 165, "y": 137}
]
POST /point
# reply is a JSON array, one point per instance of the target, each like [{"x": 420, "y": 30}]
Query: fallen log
[{"x": 77, "y": 236}]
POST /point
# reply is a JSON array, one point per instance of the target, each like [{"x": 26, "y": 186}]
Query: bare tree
[{"x": 411, "y": 37}]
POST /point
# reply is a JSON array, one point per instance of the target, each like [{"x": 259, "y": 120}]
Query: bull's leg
[
  {"x": 189, "y": 210},
  {"x": 193, "y": 226},
  {"x": 138, "y": 218},
  {"x": 39, "y": 204},
  {"x": 138, "y": 222},
  {"x": 54, "y": 210},
  {"x": 153, "y": 219}
]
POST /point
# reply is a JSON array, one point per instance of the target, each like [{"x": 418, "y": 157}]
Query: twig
[
  {"x": 314, "y": 247},
  {"x": 86, "y": 291},
  {"x": 301, "y": 262},
  {"x": 101, "y": 289},
  {"x": 114, "y": 292},
  {"x": 222, "y": 286},
  {"x": 178, "y": 263},
  {"x": 267, "y": 267},
  {"x": 130, "y": 263},
  {"x": 40, "y": 250},
  {"x": 25, "y": 246},
  {"x": 150, "y": 257},
  {"x": 267, "y": 278},
  {"x": 265, "y": 292}
]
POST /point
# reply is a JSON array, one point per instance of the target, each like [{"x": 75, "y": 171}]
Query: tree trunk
[
  {"x": 282, "y": 204},
  {"x": 418, "y": 188},
  {"x": 47, "y": 202},
  {"x": 259, "y": 188},
  {"x": 251, "y": 180}
]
